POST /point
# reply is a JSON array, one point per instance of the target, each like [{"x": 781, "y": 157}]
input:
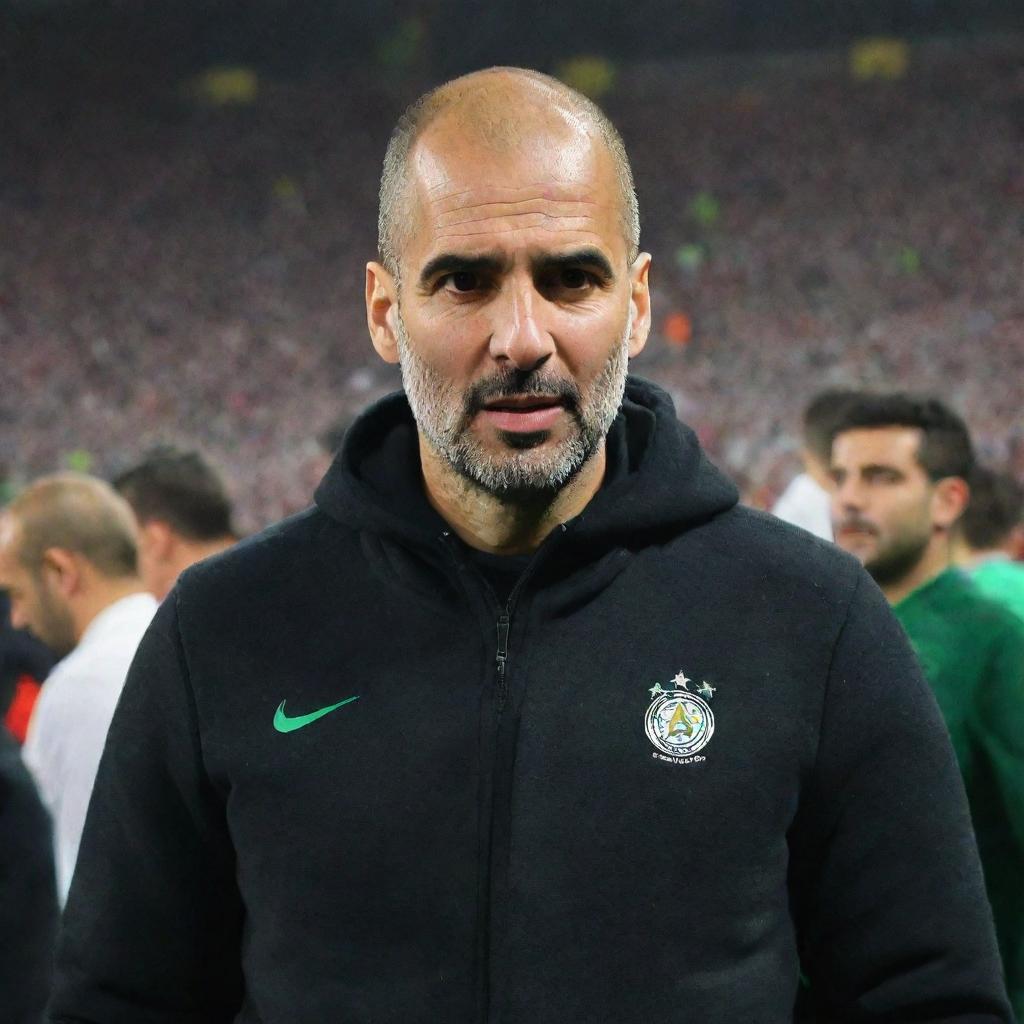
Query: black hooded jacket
[
  {"x": 28, "y": 891},
  {"x": 691, "y": 753}
]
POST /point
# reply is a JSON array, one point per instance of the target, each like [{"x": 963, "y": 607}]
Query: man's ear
[
  {"x": 62, "y": 569},
  {"x": 640, "y": 300},
  {"x": 949, "y": 499},
  {"x": 381, "y": 309}
]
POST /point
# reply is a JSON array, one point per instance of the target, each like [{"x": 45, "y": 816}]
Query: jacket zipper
[
  {"x": 502, "y": 656},
  {"x": 503, "y": 627},
  {"x": 503, "y": 624}
]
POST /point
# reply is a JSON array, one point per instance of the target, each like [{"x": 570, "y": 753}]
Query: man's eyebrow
[
  {"x": 453, "y": 263},
  {"x": 492, "y": 263},
  {"x": 588, "y": 257}
]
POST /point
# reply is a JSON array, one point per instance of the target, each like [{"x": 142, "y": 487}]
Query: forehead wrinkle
[
  {"x": 554, "y": 190},
  {"x": 546, "y": 224},
  {"x": 502, "y": 211},
  {"x": 520, "y": 202}
]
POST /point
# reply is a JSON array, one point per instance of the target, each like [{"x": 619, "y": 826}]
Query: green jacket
[
  {"x": 1002, "y": 580},
  {"x": 972, "y": 653}
]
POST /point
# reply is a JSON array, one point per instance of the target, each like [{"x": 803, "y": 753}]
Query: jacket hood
[{"x": 658, "y": 479}]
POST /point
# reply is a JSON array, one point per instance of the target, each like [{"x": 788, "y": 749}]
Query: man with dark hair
[
  {"x": 915, "y": 507},
  {"x": 428, "y": 752},
  {"x": 982, "y": 545},
  {"x": 183, "y": 510},
  {"x": 900, "y": 466},
  {"x": 68, "y": 562},
  {"x": 806, "y": 502}
]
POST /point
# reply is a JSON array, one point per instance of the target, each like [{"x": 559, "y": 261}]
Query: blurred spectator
[
  {"x": 28, "y": 899},
  {"x": 24, "y": 663},
  {"x": 984, "y": 537},
  {"x": 807, "y": 501},
  {"x": 900, "y": 466},
  {"x": 68, "y": 561},
  {"x": 183, "y": 510}
]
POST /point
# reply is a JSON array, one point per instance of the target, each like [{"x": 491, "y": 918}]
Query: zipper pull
[{"x": 501, "y": 657}]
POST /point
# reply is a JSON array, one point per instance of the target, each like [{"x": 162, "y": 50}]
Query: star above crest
[
  {"x": 706, "y": 691},
  {"x": 680, "y": 680},
  {"x": 655, "y": 690}
]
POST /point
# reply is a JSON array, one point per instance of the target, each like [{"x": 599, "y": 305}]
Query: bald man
[
  {"x": 526, "y": 720},
  {"x": 68, "y": 562}
]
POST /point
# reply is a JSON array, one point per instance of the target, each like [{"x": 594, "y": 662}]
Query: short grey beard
[{"x": 441, "y": 414}]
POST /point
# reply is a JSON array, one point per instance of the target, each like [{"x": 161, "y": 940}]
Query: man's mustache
[
  {"x": 854, "y": 522},
  {"x": 517, "y": 383}
]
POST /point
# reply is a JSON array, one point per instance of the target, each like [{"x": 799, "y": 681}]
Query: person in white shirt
[
  {"x": 69, "y": 561},
  {"x": 806, "y": 501}
]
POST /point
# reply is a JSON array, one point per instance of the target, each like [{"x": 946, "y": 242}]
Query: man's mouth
[
  {"x": 523, "y": 413},
  {"x": 855, "y": 529}
]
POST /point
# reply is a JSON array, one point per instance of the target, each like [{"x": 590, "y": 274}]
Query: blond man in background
[{"x": 68, "y": 558}]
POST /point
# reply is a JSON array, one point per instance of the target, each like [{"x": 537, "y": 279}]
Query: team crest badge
[{"x": 679, "y": 721}]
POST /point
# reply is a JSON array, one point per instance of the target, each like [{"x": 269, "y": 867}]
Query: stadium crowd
[{"x": 176, "y": 271}]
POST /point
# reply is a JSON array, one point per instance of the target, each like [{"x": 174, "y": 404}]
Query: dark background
[{"x": 289, "y": 38}]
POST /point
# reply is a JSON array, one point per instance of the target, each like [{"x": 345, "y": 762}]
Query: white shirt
[
  {"x": 71, "y": 718},
  {"x": 806, "y": 503}
]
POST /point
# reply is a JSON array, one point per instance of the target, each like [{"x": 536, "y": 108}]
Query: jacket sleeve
[
  {"x": 891, "y": 912},
  {"x": 998, "y": 729},
  {"x": 1000, "y": 723},
  {"x": 151, "y": 931}
]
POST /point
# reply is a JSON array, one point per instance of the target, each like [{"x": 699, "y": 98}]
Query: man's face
[
  {"x": 36, "y": 603},
  {"x": 518, "y": 308},
  {"x": 523, "y": 460},
  {"x": 882, "y": 505}
]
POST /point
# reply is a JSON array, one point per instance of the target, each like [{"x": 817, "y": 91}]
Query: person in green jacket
[
  {"x": 984, "y": 537},
  {"x": 901, "y": 465}
]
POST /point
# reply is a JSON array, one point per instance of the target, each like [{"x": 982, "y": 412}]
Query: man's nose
[
  {"x": 519, "y": 336},
  {"x": 848, "y": 495}
]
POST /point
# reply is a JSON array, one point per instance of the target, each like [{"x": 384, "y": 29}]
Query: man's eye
[
  {"x": 883, "y": 476},
  {"x": 574, "y": 278},
  {"x": 462, "y": 281},
  {"x": 568, "y": 280}
]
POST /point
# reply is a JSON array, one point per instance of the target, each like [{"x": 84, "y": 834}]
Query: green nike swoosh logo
[{"x": 285, "y": 723}]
